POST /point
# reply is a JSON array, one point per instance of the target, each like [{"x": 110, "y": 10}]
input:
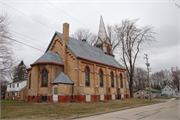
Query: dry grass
[{"x": 26, "y": 110}]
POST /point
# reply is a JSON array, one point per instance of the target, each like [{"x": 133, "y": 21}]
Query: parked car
[{"x": 164, "y": 95}]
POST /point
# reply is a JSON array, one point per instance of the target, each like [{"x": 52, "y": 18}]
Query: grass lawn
[{"x": 11, "y": 109}]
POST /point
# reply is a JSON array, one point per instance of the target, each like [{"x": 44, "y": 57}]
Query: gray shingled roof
[
  {"x": 62, "y": 78},
  {"x": 50, "y": 56},
  {"x": 83, "y": 50}
]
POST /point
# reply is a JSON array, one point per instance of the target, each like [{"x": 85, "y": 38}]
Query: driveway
[{"x": 163, "y": 111}]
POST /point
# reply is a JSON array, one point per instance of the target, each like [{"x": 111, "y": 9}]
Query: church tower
[{"x": 103, "y": 42}]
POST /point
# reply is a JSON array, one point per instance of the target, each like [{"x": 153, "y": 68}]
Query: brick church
[{"x": 72, "y": 70}]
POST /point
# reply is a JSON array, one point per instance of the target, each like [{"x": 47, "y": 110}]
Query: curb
[{"x": 87, "y": 115}]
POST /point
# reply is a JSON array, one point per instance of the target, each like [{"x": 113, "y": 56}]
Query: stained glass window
[
  {"x": 112, "y": 79},
  {"x": 121, "y": 80},
  {"x": 44, "y": 78},
  {"x": 101, "y": 78},
  {"x": 87, "y": 76}
]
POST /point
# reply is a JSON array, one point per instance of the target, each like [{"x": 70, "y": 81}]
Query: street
[{"x": 163, "y": 111}]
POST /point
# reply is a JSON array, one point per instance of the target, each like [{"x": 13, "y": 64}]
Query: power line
[
  {"x": 68, "y": 15},
  {"x": 28, "y": 37},
  {"x": 31, "y": 42},
  {"x": 26, "y": 44},
  {"x": 27, "y": 16}
]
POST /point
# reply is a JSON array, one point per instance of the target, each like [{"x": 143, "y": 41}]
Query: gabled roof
[
  {"x": 170, "y": 86},
  {"x": 50, "y": 57},
  {"x": 85, "y": 51},
  {"x": 62, "y": 78}
]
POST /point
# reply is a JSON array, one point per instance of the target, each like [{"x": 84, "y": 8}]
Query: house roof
[
  {"x": 19, "y": 81},
  {"x": 62, "y": 78},
  {"x": 171, "y": 86},
  {"x": 85, "y": 51},
  {"x": 50, "y": 57},
  {"x": 152, "y": 90}
]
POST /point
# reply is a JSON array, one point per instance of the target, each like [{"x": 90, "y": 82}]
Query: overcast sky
[{"x": 38, "y": 20}]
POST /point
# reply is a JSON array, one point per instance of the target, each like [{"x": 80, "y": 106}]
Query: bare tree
[
  {"x": 112, "y": 37},
  {"x": 175, "y": 73},
  {"x": 140, "y": 78},
  {"x": 6, "y": 52},
  {"x": 161, "y": 78},
  {"x": 131, "y": 38},
  {"x": 83, "y": 33}
]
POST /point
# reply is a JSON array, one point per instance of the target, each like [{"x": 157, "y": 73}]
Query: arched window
[
  {"x": 29, "y": 81},
  {"x": 121, "y": 80},
  {"x": 101, "y": 78},
  {"x": 44, "y": 78},
  {"x": 87, "y": 76},
  {"x": 112, "y": 79},
  {"x": 108, "y": 50}
]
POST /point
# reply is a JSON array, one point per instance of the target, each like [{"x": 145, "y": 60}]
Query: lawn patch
[{"x": 27, "y": 110}]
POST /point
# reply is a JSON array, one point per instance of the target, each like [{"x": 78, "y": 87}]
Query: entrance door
[{"x": 55, "y": 93}]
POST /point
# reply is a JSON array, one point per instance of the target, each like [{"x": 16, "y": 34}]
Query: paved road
[{"x": 163, "y": 111}]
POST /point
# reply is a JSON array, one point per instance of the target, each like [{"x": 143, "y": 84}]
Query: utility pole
[{"x": 148, "y": 64}]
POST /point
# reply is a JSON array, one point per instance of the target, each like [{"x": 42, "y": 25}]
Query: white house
[
  {"x": 16, "y": 90},
  {"x": 170, "y": 90}
]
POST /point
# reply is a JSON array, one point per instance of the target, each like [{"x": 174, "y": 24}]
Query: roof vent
[{"x": 84, "y": 40}]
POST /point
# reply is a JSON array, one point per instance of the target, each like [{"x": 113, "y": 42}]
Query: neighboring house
[
  {"x": 144, "y": 93},
  {"x": 71, "y": 69},
  {"x": 170, "y": 90},
  {"x": 16, "y": 90}
]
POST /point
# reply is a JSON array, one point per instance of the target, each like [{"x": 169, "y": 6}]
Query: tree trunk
[{"x": 131, "y": 86}]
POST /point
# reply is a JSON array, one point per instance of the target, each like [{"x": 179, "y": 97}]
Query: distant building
[
  {"x": 71, "y": 69},
  {"x": 144, "y": 93},
  {"x": 170, "y": 90},
  {"x": 16, "y": 90}
]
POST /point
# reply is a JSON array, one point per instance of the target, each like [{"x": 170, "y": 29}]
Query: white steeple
[{"x": 102, "y": 35}]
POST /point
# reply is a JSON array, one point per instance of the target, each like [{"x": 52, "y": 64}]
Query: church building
[{"x": 73, "y": 70}]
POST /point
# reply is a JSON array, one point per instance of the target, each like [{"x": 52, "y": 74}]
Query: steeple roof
[{"x": 102, "y": 35}]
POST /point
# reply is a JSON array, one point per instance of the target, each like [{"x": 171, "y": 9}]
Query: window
[
  {"x": 29, "y": 81},
  {"x": 137, "y": 93},
  {"x": 108, "y": 50},
  {"x": 112, "y": 79},
  {"x": 55, "y": 90},
  {"x": 87, "y": 76},
  {"x": 10, "y": 85},
  {"x": 7, "y": 94},
  {"x": 101, "y": 78},
  {"x": 165, "y": 90},
  {"x": 169, "y": 89},
  {"x": 121, "y": 80},
  {"x": 147, "y": 92},
  {"x": 13, "y": 85},
  {"x": 44, "y": 78},
  {"x": 17, "y": 84},
  {"x": 11, "y": 94},
  {"x": 18, "y": 94}
]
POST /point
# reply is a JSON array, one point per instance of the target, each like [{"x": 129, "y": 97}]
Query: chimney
[
  {"x": 65, "y": 40},
  {"x": 66, "y": 33}
]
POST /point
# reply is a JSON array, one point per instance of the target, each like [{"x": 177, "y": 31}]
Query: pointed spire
[{"x": 102, "y": 35}]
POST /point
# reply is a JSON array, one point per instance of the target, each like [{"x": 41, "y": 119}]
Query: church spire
[{"x": 102, "y": 35}]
